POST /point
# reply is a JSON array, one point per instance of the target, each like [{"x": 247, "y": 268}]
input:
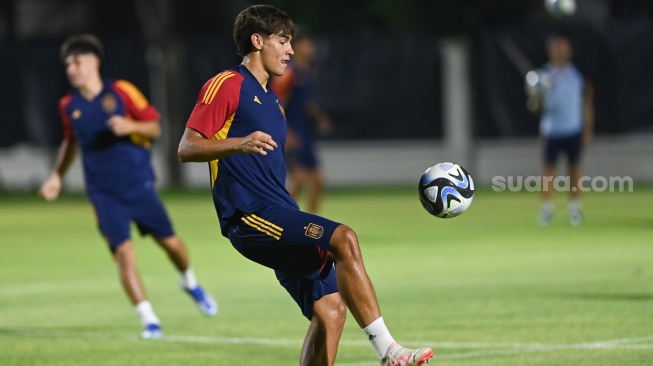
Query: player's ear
[{"x": 257, "y": 41}]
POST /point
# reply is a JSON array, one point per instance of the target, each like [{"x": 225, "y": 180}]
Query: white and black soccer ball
[
  {"x": 560, "y": 8},
  {"x": 537, "y": 82},
  {"x": 446, "y": 190}
]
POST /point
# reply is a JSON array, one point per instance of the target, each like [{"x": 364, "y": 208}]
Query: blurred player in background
[
  {"x": 113, "y": 125},
  {"x": 238, "y": 126},
  {"x": 296, "y": 90},
  {"x": 566, "y": 123}
]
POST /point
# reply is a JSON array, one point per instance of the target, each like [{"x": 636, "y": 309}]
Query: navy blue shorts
[
  {"x": 114, "y": 216},
  {"x": 293, "y": 243},
  {"x": 569, "y": 145}
]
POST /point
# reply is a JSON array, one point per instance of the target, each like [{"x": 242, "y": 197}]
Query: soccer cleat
[
  {"x": 205, "y": 302},
  {"x": 400, "y": 356},
  {"x": 575, "y": 217},
  {"x": 545, "y": 217},
  {"x": 152, "y": 331}
]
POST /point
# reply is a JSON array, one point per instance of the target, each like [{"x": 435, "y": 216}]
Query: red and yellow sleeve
[
  {"x": 136, "y": 105},
  {"x": 217, "y": 102},
  {"x": 68, "y": 133}
]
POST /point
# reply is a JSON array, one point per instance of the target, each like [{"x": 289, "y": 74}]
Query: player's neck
[
  {"x": 255, "y": 66},
  {"x": 560, "y": 64},
  {"x": 91, "y": 89}
]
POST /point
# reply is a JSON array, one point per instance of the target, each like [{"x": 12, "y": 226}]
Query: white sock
[
  {"x": 145, "y": 312},
  {"x": 188, "y": 279},
  {"x": 379, "y": 335}
]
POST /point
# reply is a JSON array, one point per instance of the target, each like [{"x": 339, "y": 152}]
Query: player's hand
[
  {"x": 257, "y": 143},
  {"x": 121, "y": 126},
  {"x": 51, "y": 188}
]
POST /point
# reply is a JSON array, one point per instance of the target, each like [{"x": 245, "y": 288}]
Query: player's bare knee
[
  {"x": 338, "y": 313},
  {"x": 344, "y": 244},
  {"x": 171, "y": 243},
  {"x": 330, "y": 311}
]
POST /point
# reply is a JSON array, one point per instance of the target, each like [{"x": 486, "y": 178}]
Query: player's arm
[
  {"x": 217, "y": 103},
  {"x": 534, "y": 103},
  {"x": 67, "y": 151},
  {"x": 52, "y": 186},
  {"x": 122, "y": 126},
  {"x": 143, "y": 118},
  {"x": 194, "y": 147},
  {"x": 588, "y": 113},
  {"x": 322, "y": 118}
]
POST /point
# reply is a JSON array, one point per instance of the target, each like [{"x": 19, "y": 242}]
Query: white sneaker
[
  {"x": 545, "y": 217},
  {"x": 400, "y": 356},
  {"x": 575, "y": 217}
]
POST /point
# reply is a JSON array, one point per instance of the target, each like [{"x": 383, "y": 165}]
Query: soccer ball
[
  {"x": 560, "y": 8},
  {"x": 537, "y": 82},
  {"x": 446, "y": 190}
]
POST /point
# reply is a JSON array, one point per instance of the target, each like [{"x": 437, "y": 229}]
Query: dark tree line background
[{"x": 379, "y": 61}]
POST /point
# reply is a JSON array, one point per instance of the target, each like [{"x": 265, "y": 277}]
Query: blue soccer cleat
[
  {"x": 152, "y": 331},
  {"x": 205, "y": 302}
]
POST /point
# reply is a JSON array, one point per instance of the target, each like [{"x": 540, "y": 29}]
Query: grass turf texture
[{"x": 486, "y": 288}]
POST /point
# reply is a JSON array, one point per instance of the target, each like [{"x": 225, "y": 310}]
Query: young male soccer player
[
  {"x": 566, "y": 123},
  {"x": 113, "y": 124},
  {"x": 238, "y": 126}
]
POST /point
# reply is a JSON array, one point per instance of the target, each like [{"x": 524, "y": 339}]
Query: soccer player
[
  {"x": 238, "y": 127},
  {"x": 566, "y": 123},
  {"x": 295, "y": 88},
  {"x": 113, "y": 125}
]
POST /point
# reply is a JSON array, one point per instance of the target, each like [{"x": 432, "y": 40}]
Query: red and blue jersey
[
  {"x": 234, "y": 104},
  {"x": 112, "y": 164}
]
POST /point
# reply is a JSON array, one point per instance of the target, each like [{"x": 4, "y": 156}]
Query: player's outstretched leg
[
  {"x": 125, "y": 257},
  {"x": 358, "y": 293},
  {"x": 321, "y": 342},
  {"x": 178, "y": 254}
]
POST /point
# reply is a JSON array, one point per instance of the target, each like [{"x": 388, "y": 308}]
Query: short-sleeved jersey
[
  {"x": 234, "y": 104},
  {"x": 112, "y": 165},
  {"x": 562, "y": 115}
]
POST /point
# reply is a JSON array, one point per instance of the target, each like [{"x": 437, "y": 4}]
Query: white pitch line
[{"x": 492, "y": 349}]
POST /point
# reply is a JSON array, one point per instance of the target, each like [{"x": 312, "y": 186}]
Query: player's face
[
  {"x": 560, "y": 50},
  {"x": 275, "y": 54},
  {"x": 81, "y": 68}
]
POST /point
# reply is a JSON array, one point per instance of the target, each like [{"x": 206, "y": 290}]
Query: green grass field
[{"x": 487, "y": 288}]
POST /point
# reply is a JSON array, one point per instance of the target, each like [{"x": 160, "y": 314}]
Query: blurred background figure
[
  {"x": 304, "y": 116},
  {"x": 113, "y": 125},
  {"x": 565, "y": 101}
]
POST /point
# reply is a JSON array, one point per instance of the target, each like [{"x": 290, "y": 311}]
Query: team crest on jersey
[
  {"x": 109, "y": 104},
  {"x": 314, "y": 231},
  {"x": 281, "y": 109},
  {"x": 76, "y": 114}
]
